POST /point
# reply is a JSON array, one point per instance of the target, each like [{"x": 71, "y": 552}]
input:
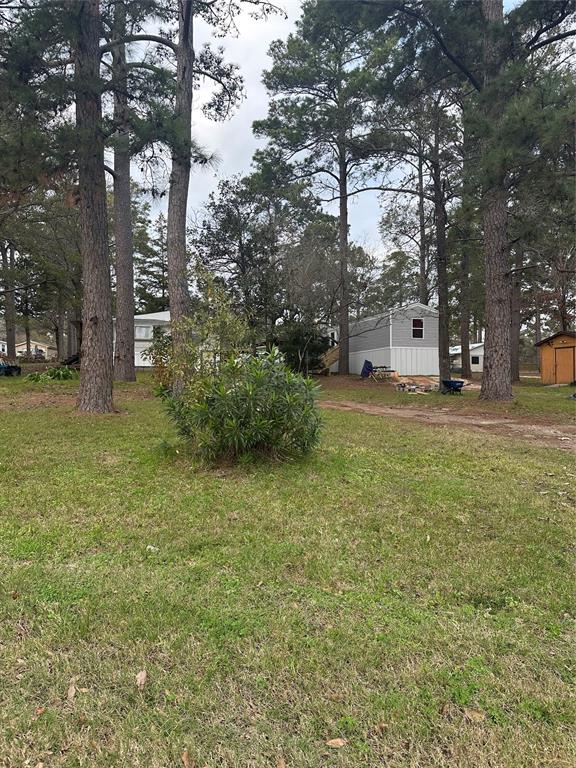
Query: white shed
[
  {"x": 403, "y": 338},
  {"x": 144, "y": 332},
  {"x": 476, "y": 357}
]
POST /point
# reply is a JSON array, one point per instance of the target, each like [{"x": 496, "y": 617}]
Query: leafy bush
[
  {"x": 53, "y": 374},
  {"x": 253, "y": 405}
]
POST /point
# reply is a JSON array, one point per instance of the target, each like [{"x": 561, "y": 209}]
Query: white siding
[
  {"x": 405, "y": 360},
  {"x": 376, "y": 356},
  {"x": 139, "y": 348},
  {"x": 409, "y": 361},
  {"x": 477, "y": 367},
  {"x": 456, "y": 359}
]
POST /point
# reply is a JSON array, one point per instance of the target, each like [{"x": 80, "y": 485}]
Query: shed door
[{"x": 564, "y": 365}]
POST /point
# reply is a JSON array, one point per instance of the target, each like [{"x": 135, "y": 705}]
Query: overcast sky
[{"x": 233, "y": 141}]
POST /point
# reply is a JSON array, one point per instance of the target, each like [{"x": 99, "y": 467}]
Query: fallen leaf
[
  {"x": 336, "y": 743},
  {"x": 474, "y": 715},
  {"x": 40, "y": 711},
  {"x": 281, "y": 763},
  {"x": 71, "y": 692},
  {"x": 381, "y": 727},
  {"x": 185, "y": 758},
  {"x": 141, "y": 679}
]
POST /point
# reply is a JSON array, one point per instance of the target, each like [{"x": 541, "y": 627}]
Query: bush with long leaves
[{"x": 251, "y": 406}]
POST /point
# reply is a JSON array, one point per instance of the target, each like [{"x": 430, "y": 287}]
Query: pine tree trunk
[
  {"x": 496, "y": 379},
  {"x": 59, "y": 330},
  {"x": 26, "y": 316},
  {"x": 537, "y": 331},
  {"x": 95, "y": 394},
  {"x": 72, "y": 344},
  {"x": 465, "y": 313},
  {"x": 59, "y": 338},
  {"x": 464, "y": 281},
  {"x": 177, "y": 261},
  {"x": 441, "y": 265},
  {"x": 9, "y": 300},
  {"x": 70, "y": 338},
  {"x": 515, "y": 317},
  {"x": 124, "y": 369},
  {"x": 423, "y": 296},
  {"x": 344, "y": 309}
]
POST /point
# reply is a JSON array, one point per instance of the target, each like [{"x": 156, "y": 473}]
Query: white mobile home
[
  {"x": 476, "y": 357},
  {"x": 403, "y": 338},
  {"x": 143, "y": 334}
]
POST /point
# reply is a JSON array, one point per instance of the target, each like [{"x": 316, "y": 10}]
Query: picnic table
[{"x": 382, "y": 373}]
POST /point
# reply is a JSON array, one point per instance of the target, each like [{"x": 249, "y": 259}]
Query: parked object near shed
[{"x": 558, "y": 358}]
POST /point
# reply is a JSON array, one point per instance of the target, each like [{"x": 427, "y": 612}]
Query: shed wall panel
[
  {"x": 414, "y": 362},
  {"x": 402, "y": 328}
]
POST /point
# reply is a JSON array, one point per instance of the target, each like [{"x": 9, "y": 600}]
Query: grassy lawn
[
  {"x": 403, "y": 590},
  {"x": 531, "y": 399}
]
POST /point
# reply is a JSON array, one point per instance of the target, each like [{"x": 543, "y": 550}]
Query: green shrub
[
  {"x": 53, "y": 374},
  {"x": 252, "y": 405}
]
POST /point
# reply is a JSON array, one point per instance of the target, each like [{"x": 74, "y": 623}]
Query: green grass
[
  {"x": 531, "y": 399},
  {"x": 402, "y": 589}
]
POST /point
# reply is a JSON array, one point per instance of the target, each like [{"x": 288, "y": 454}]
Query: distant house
[
  {"x": 403, "y": 338},
  {"x": 558, "y": 358},
  {"x": 476, "y": 357},
  {"x": 38, "y": 349},
  {"x": 143, "y": 334},
  {"x": 3, "y": 347}
]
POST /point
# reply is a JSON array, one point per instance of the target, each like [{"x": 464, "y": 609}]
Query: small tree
[{"x": 302, "y": 346}]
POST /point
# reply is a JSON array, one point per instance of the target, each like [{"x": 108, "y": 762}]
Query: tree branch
[
  {"x": 552, "y": 39},
  {"x": 139, "y": 38}
]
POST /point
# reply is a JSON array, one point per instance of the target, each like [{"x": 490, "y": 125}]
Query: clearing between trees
[{"x": 395, "y": 599}]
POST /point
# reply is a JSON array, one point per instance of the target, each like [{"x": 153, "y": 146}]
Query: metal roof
[
  {"x": 458, "y": 350},
  {"x": 162, "y": 317}
]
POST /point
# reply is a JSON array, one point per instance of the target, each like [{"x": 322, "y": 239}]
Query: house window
[
  {"x": 417, "y": 328},
  {"x": 475, "y": 359},
  {"x": 143, "y": 332}
]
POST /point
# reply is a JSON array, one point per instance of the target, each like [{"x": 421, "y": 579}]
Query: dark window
[
  {"x": 417, "y": 328},
  {"x": 475, "y": 360}
]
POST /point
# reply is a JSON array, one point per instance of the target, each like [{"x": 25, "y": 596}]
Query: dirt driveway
[{"x": 549, "y": 435}]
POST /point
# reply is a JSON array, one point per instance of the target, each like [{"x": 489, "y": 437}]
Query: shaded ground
[
  {"x": 19, "y": 394},
  {"x": 556, "y": 435}
]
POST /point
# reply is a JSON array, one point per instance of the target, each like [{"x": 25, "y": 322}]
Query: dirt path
[{"x": 557, "y": 436}]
